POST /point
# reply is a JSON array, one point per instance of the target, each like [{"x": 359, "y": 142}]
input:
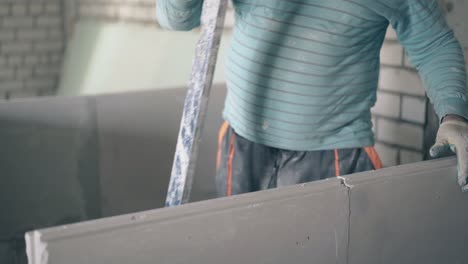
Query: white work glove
[{"x": 453, "y": 135}]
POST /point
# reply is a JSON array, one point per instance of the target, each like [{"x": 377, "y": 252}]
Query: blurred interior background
[{"x": 91, "y": 94}]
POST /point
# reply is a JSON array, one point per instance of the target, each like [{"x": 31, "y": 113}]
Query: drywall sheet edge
[
  {"x": 373, "y": 217},
  {"x": 289, "y": 225},
  {"x": 409, "y": 218}
]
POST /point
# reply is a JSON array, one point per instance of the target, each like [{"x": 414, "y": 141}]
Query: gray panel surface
[
  {"x": 300, "y": 224},
  {"x": 40, "y": 158},
  {"x": 406, "y": 216},
  {"x": 69, "y": 159},
  {"x": 48, "y": 169},
  {"x": 137, "y": 135},
  {"x": 137, "y": 140},
  {"x": 409, "y": 214}
]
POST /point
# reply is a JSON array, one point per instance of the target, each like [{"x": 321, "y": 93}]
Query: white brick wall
[
  {"x": 391, "y": 54},
  {"x": 141, "y": 11},
  {"x": 400, "y": 138},
  {"x": 414, "y": 109},
  {"x": 402, "y": 134},
  {"x": 388, "y": 104},
  {"x": 407, "y": 156},
  {"x": 134, "y": 11},
  {"x": 31, "y": 47},
  {"x": 400, "y": 110},
  {"x": 388, "y": 155},
  {"x": 400, "y": 80}
]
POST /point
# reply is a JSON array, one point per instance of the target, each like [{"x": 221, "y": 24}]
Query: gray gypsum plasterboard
[{"x": 294, "y": 224}]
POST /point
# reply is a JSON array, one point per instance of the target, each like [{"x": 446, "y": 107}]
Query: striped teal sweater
[{"x": 303, "y": 74}]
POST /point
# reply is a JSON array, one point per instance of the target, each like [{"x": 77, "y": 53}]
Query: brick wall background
[
  {"x": 31, "y": 47},
  {"x": 402, "y": 110},
  {"x": 399, "y": 115},
  {"x": 139, "y": 11}
]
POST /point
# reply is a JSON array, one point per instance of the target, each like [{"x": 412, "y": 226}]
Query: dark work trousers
[{"x": 244, "y": 166}]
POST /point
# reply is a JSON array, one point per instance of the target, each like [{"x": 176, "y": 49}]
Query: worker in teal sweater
[{"x": 302, "y": 77}]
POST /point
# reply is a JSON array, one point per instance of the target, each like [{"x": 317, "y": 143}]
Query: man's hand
[{"x": 453, "y": 135}]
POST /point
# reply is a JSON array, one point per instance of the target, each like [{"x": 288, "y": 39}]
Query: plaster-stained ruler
[{"x": 196, "y": 102}]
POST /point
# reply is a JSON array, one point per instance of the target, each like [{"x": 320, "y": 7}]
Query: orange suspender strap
[
  {"x": 337, "y": 163},
  {"x": 222, "y": 133},
  {"x": 229, "y": 166},
  {"x": 374, "y": 157}
]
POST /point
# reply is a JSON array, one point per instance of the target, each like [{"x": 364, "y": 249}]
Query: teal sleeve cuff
[
  {"x": 180, "y": 16},
  {"x": 452, "y": 106},
  {"x": 162, "y": 16}
]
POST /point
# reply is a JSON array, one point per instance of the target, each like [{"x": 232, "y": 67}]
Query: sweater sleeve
[
  {"x": 182, "y": 15},
  {"x": 435, "y": 52}
]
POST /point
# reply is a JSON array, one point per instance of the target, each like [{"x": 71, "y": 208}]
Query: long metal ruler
[{"x": 196, "y": 102}]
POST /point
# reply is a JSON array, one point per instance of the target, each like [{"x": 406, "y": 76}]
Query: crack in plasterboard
[
  {"x": 36, "y": 248},
  {"x": 345, "y": 183},
  {"x": 348, "y": 187}
]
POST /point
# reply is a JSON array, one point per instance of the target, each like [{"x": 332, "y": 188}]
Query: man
[{"x": 302, "y": 77}]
